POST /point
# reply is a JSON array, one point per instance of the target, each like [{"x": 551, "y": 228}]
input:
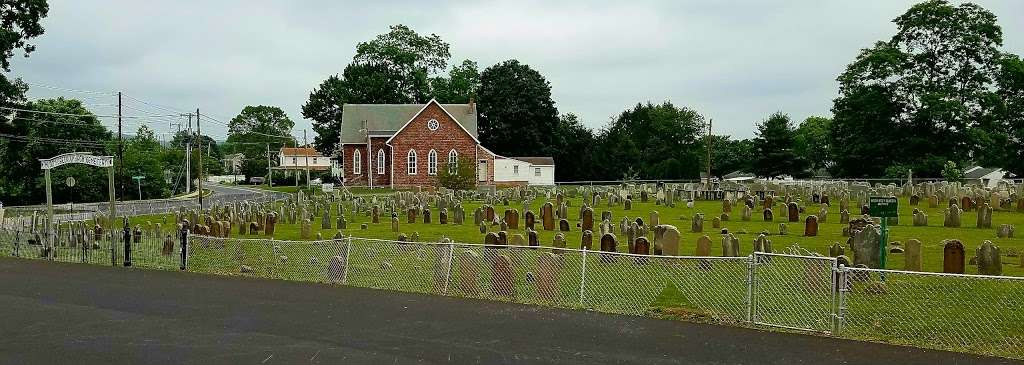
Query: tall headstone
[
  {"x": 953, "y": 257},
  {"x": 912, "y": 255},
  {"x": 989, "y": 261}
]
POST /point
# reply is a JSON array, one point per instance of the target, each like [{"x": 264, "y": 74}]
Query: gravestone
[
  {"x": 746, "y": 213},
  {"x": 952, "y": 257},
  {"x": 920, "y": 218},
  {"x": 912, "y": 255},
  {"x": 548, "y": 267},
  {"x": 666, "y": 240},
  {"x": 426, "y": 216},
  {"x": 587, "y": 217},
  {"x": 442, "y": 216},
  {"x": 730, "y": 245},
  {"x": 168, "y": 246},
  {"x": 989, "y": 261},
  {"x": 558, "y": 242},
  {"x": 587, "y": 241},
  {"x": 703, "y": 246},
  {"x": 411, "y": 216},
  {"x": 767, "y": 215},
  {"x": 641, "y": 246},
  {"x": 716, "y": 222},
  {"x": 503, "y": 277},
  {"x": 697, "y": 225},
  {"x": 394, "y": 225},
  {"x": 952, "y": 218},
  {"x": 762, "y": 244},
  {"x": 468, "y": 269},
  {"x": 325, "y": 221},
  {"x": 793, "y": 212},
  {"x": 836, "y": 250},
  {"x": 865, "y": 243},
  {"x": 1005, "y": 231},
  {"x": 811, "y": 226},
  {"x": 609, "y": 243},
  {"x": 984, "y": 216},
  {"x": 271, "y": 224},
  {"x": 307, "y": 229},
  {"x": 547, "y": 216},
  {"x": 782, "y": 229},
  {"x": 530, "y": 220},
  {"x": 563, "y": 225}
]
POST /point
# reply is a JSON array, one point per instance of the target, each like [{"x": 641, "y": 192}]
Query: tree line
[
  {"x": 939, "y": 91},
  {"x": 937, "y": 95}
]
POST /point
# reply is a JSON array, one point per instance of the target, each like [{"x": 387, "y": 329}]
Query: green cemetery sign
[{"x": 882, "y": 207}]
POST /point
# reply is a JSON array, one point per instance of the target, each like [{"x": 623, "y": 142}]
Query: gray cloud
[{"x": 734, "y": 61}]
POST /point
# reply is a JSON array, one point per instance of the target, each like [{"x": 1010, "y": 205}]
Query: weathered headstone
[
  {"x": 811, "y": 226},
  {"x": 953, "y": 257},
  {"x": 989, "y": 260},
  {"x": 912, "y": 255}
]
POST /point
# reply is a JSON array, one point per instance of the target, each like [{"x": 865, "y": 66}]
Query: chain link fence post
[
  {"x": 127, "y": 235},
  {"x": 184, "y": 247},
  {"x": 583, "y": 275},
  {"x": 448, "y": 273},
  {"x": 841, "y": 289},
  {"x": 348, "y": 249},
  {"x": 751, "y": 265}
]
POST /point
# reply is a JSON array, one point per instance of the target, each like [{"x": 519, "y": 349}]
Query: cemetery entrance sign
[{"x": 84, "y": 158}]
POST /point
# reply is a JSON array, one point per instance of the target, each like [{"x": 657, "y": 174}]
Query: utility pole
[
  {"x": 305, "y": 156},
  {"x": 709, "y": 153},
  {"x": 199, "y": 131},
  {"x": 270, "y": 173},
  {"x": 188, "y": 155},
  {"x": 120, "y": 146}
]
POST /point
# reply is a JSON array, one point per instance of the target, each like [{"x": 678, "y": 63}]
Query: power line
[{"x": 79, "y": 115}]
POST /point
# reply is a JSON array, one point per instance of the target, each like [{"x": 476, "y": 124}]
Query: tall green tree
[
  {"x": 1008, "y": 115},
  {"x": 812, "y": 142},
  {"x": 19, "y": 23},
  {"x": 252, "y": 130},
  {"x": 460, "y": 86},
  {"x": 774, "y": 148},
  {"x": 653, "y": 141},
  {"x": 67, "y": 126},
  {"x": 931, "y": 87},
  {"x": 727, "y": 155},
  {"x": 142, "y": 155},
  {"x": 400, "y": 66},
  {"x": 573, "y": 149},
  {"x": 517, "y": 115}
]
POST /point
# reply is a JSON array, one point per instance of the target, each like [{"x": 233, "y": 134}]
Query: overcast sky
[{"x": 733, "y": 61}]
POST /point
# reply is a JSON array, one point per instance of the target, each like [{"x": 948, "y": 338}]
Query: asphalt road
[{"x": 71, "y": 313}]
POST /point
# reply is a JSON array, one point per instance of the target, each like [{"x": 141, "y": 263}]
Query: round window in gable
[{"x": 433, "y": 124}]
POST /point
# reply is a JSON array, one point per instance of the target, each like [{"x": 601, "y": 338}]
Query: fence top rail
[
  {"x": 825, "y": 258},
  {"x": 937, "y": 274},
  {"x": 515, "y": 247}
]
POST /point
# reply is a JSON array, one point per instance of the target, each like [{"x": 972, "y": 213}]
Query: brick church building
[{"x": 403, "y": 145}]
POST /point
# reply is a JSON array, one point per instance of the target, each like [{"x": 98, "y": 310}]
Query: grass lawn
[
  {"x": 829, "y": 232},
  {"x": 962, "y": 314}
]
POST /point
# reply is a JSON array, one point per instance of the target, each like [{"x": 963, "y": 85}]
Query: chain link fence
[{"x": 968, "y": 313}]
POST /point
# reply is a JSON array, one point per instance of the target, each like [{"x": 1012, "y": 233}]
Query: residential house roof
[
  {"x": 384, "y": 120},
  {"x": 299, "y": 151},
  {"x": 978, "y": 172},
  {"x": 537, "y": 161}
]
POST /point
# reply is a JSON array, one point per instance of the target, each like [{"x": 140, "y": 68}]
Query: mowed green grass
[{"x": 830, "y": 232}]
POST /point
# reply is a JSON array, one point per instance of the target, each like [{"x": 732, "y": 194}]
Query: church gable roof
[{"x": 384, "y": 120}]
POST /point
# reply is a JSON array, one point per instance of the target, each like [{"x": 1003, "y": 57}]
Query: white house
[
  {"x": 989, "y": 177},
  {"x": 524, "y": 171}
]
